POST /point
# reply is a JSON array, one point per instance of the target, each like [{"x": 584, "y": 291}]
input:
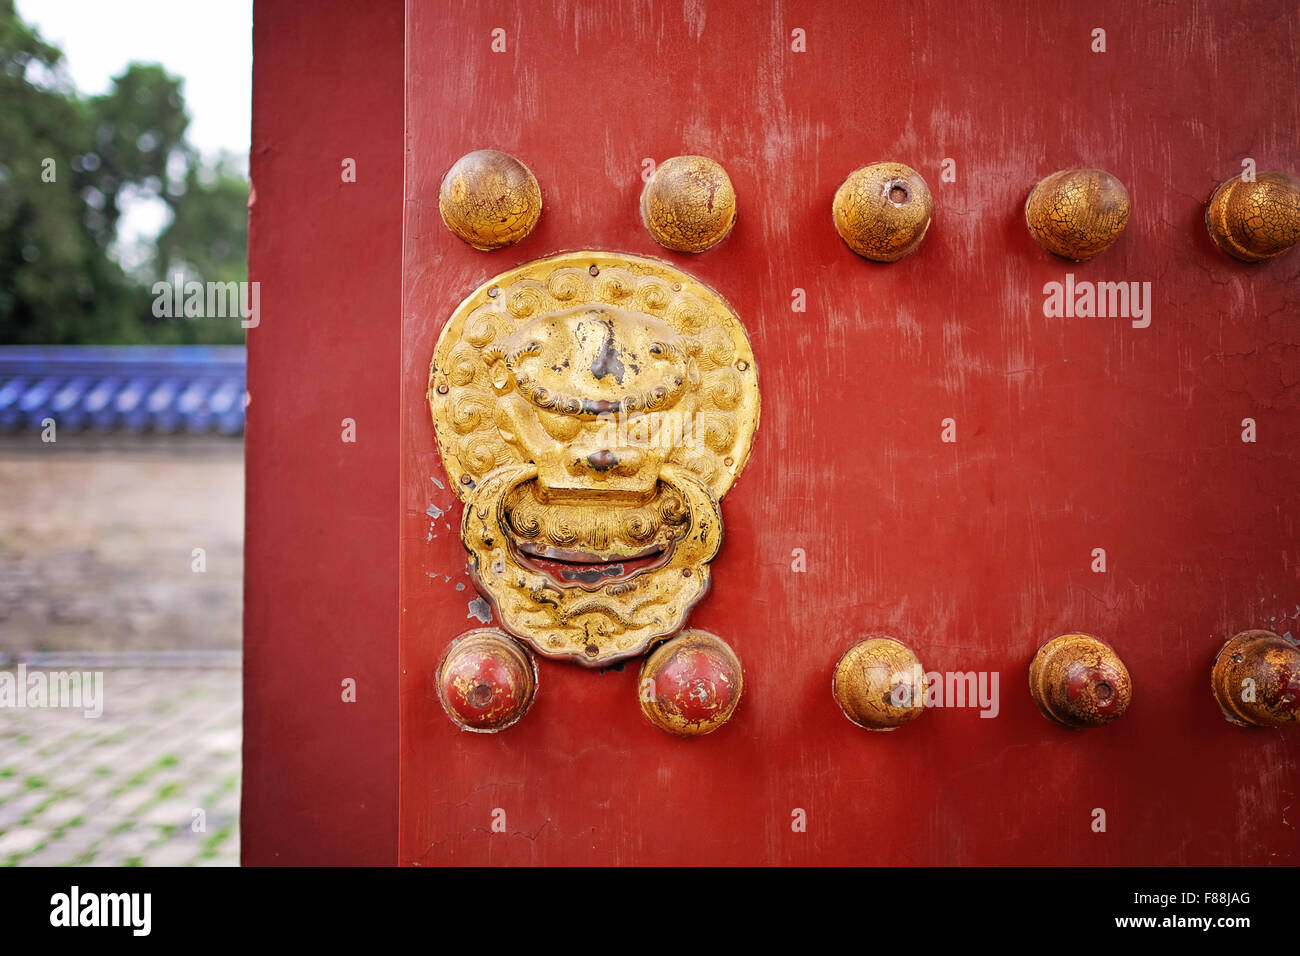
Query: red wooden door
[{"x": 1072, "y": 433}]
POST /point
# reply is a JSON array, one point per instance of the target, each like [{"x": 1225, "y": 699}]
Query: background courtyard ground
[{"x": 97, "y": 539}]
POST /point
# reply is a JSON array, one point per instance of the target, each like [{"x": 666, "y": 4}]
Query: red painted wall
[
  {"x": 320, "y": 775},
  {"x": 1072, "y": 433}
]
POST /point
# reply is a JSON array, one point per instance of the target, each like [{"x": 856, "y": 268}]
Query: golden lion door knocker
[{"x": 591, "y": 410}]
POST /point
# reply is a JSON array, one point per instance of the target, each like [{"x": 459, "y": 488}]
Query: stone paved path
[{"x": 122, "y": 789}]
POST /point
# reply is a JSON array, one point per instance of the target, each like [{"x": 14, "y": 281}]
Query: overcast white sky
[{"x": 209, "y": 43}]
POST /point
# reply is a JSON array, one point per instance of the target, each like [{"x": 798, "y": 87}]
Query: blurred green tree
[
  {"x": 208, "y": 235},
  {"x": 67, "y": 165}
]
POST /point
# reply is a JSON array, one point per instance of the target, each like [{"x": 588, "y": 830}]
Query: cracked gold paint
[
  {"x": 490, "y": 199},
  {"x": 1253, "y": 221},
  {"x": 592, "y": 409},
  {"x": 882, "y": 211},
  {"x": 879, "y": 684},
  {"x": 1256, "y": 680},
  {"x": 691, "y": 685},
  {"x": 1077, "y": 213},
  {"x": 596, "y": 627},
  {"x": 1079, "y": 681},
  {"x": 688, "y": 204}
]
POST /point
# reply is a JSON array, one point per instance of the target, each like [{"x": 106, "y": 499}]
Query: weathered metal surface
[
  {"x": 879, "y": 684},
  {"x": 688, "y": 204},
  {"x": 486, "y": 681},
  {"x": 1256, "y": 679},
  {"x": 691, "y": 685},
  {"x": 1257, "y": 219},
  {"x": 1079, "y": 681},
  {"x": 593, "y": 410},
  {"x": 1077, "y": 213},
  {"x": 490, "y": 199},
  {"x": 882, "y": 211}
]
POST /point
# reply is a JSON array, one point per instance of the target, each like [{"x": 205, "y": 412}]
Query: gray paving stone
[
  {"x": 20, "y": 841},
  {"x": 223, "y": 741},
  {"x": 169, "y": 741},
  {"x": 62, "y": 812},
  {"x": 49, "y": 855},
  {"x": 126, "y": 805},
  {"x": 174, "y": 812},
  {"x": 13, "y": 811},
  {"x": 173, "y": 853},
  {"x": 121, "y": 847}
]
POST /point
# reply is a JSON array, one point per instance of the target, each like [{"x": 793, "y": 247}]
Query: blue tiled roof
[{"x": 193, "y": 389}]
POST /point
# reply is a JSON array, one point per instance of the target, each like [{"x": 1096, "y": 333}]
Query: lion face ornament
[{"x": 592, "y": 409}]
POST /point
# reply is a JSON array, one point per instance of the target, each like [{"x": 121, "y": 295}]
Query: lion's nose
[{"x": 602, "y": 460}]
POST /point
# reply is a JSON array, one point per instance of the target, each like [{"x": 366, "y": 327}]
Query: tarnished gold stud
[
  {"x": 1077, "y": 213},
  {"x": 879, "y": 684},
  {"x": 1253, "y": 221},
  {"x": 690, "y": 685},
  {"x": 490, "y": 199},
  {"x": 688, "y": 205},
  {"x": 1256, "y": 679},
  {"x": 882, "y": 211},
  {"x": 486, "y": 681},
  {"x": 1079, "y": 681}
]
